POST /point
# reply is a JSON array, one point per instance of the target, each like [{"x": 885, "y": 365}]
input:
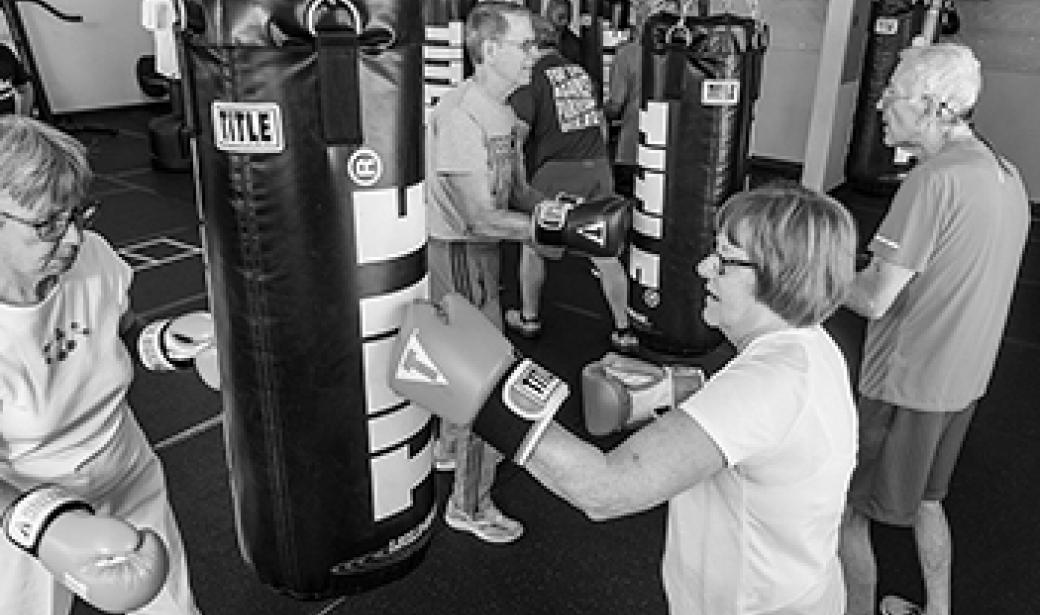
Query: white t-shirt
[
  {"x": 64, "y": 370},
  {"x": 761, "y": 535}
]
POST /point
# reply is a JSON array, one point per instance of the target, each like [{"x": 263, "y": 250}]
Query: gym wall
[
  {"x": 91, "y": 65},
  {"x": 88, "y": 65},
  {"x": 1005, "y": 34}
]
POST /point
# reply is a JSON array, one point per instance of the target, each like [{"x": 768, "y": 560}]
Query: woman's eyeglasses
[
  {"x": 53, "y": 228},
  {"x": 721, "y": 263}
]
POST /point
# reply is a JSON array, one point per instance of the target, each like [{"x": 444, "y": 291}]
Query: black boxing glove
[{"x": 597, "y": 227}]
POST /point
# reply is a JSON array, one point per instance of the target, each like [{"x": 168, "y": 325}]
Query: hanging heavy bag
[
  {"x": 307, "y": 132},
  {"x": 701, "y": 77},
  {"x": 871, "y": 166}
]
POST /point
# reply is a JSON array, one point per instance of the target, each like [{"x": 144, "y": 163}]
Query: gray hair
[
  {"x": 41, "y": 166},
  {"x": 487, "y": 22},
  {"x": 803, "y": 244},
  {"x": 948, "y": 74}
]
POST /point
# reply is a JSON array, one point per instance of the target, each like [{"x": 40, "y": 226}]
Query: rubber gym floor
[{"x": 564, "y": 563}]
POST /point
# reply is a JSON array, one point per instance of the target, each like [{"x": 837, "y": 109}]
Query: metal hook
[
  {"x": 312, "y": 13},
  {"x": 678, "y": 27}
]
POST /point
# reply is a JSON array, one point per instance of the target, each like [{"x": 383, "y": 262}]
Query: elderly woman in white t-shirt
[
  {"x": 82, "y": 494},
  {"x": 754, "y": 466}
]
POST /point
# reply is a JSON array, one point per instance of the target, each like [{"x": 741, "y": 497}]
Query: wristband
[
  {"x": 520, "y": 409},
  {"x": 151, "y": 348},
  {"x": 29, "y": 516}
]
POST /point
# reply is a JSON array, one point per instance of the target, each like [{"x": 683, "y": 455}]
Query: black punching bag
[
  {"x": 307, "y": 122},
  {"x": 871, "y": 166},
  {"x": 444, "y": 57},
  {"x": 701, "y": 77}
]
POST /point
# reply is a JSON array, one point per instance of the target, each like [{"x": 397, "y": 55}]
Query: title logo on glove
[
  {"x": 416, "y": 366},
  {"x": 595, "y": 232}
]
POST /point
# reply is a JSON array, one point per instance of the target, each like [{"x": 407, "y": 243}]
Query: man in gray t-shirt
[{"x": 937, "y": 294}]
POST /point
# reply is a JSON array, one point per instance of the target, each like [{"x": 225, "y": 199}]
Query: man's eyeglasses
[
  {"x": 721, "y": 262},
  {"x": 888, "y": 95},
  {"x": 526, "y": 46},
  {"x": 53, "y": 228}
]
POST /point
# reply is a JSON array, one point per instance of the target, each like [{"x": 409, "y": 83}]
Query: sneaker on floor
[
  {"x": 894, "y": 605},
  {"x": 489, "y": 525},
  {"x": 527, "y": 327},
  {"x": 624, "y": 340}
]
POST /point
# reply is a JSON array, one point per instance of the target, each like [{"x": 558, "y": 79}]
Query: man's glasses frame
[
  {"x": 54, "y": 227},
  {"x": 527, "y": 46}
]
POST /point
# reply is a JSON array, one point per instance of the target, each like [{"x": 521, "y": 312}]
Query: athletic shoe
[
  {"x": 526, "y": 327},
  {"x": 894, "y": 605},
  {"x": 489, "y": 525},
  {"x": 624, "y": 340}
]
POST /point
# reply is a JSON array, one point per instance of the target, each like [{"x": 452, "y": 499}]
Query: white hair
[{"x": 947, "y": 73}]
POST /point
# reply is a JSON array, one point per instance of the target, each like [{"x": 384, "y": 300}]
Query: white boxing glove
[
  {"x": 620, "y": 392},
  {"x": 104, "y": 560},
  {"x": 181, "y": 342}
]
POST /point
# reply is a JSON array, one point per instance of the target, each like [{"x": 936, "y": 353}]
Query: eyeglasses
[
  {"x": 721, "y": 263},
  {"x": 53, "y": 228},
  {"x": 888, "y": 95},
  {"x": 527, "y": 45}
]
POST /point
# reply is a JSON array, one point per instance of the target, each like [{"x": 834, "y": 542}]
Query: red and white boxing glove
[
  {"x": 103, "y": 560},
  {"x": 179, "y": 343},
  {"x": 596, "y": 227},
  {"x": 451, "y": 360},
  {"x": 621, "y": 392}
]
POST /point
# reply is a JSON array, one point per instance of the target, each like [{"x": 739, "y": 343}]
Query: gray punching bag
[
  {"x": 701, "y": 77},
  {"x": 307, "y": 122}
]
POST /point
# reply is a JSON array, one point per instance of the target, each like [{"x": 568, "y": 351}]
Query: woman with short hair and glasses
[
  {"x": 753, "y": 466},
  {"x": 64, "y": 375}
]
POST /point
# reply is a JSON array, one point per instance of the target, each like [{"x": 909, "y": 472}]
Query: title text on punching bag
[{"x": 247, "y": 128}]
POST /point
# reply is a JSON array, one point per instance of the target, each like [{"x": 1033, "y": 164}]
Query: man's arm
[
  {"x": 657, "y": 462},
  {"x": 876, "y": 287},
  {"x": 469, "y": 196}
]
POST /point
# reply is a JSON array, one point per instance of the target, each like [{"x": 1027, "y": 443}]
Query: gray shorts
[{"x": 905, "y": 457}]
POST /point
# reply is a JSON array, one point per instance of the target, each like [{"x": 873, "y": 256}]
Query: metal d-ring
[{"x": 312, "y": 10}]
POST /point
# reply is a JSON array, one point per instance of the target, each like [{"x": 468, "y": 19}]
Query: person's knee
[{"x": 930, "y": 508}]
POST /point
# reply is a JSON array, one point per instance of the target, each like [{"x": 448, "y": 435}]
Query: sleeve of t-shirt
[
  {"x": 522, "y": 102},
  {"x": 119, "y": 272},
  {"x": 907, "y": 235},
  {"x": 749, "y": 406},
  {"x": 458, "y": 145}
]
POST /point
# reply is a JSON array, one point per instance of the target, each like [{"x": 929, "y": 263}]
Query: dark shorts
[
  {"x": 905, "y": 457},
  {"x": 589, "y": 179}
]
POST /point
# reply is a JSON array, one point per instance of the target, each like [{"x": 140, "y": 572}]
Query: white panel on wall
[
  {"x": 789, "y": 77},
  {"x": 91, "y": 64}
]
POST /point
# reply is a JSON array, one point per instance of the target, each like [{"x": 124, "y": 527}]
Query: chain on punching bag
[
  {"x": 701, "y": 77},
  {"x": 872, "y": 166},
  {"x": 308, "y": 142}
]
